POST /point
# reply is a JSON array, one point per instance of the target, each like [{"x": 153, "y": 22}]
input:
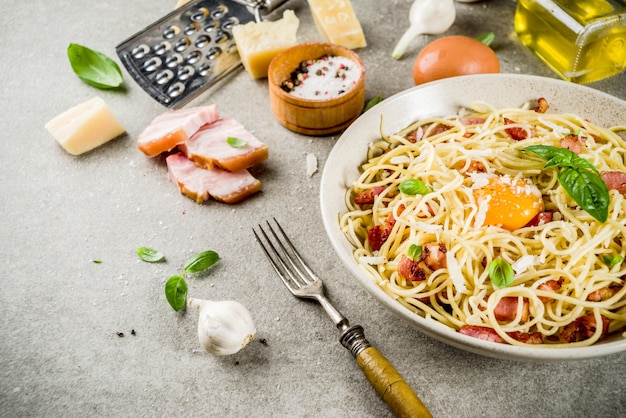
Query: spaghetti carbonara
[{"x": 508, "y": 225}]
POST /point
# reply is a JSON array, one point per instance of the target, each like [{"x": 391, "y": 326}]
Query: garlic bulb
[
  {"x": 224, "y": 327},
  {"x": 430, "y": 17}
]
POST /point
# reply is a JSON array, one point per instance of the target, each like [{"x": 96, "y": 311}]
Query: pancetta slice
[
  {"x": 209, "y": 146},
  {"x": 173, "y": 128},
  {"x": 199, "y": 183}
]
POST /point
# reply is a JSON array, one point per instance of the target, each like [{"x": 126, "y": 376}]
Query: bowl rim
[{"x": 454, "y": 92}]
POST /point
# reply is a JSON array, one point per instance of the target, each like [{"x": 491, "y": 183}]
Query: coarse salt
[{"x": 326, "y": 78}]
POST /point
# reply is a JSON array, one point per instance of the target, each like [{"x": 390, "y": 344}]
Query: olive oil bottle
[{"x": 581, "y": 40}]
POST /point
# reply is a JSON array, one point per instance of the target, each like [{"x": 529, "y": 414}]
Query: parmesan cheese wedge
[
  {"x": 85, "y": 126},
  {"x": 258, "y": 43},
  {"x": 336, "y": 22}
]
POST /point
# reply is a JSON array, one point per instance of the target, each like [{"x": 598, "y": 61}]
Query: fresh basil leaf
[
  {"x": 501, "y": 273},
  {"x": 150, "y": 255},
  {"x": 236, "y": 142},
  {"x": 415, "y": 251},
  {"x": 93, "y": 67},
  {"x": 176, "y": 292},
  {"x": 201, "y": 262},
  {"x": 96, "y": 261},
  {"x": 588, "y": 190},
  {"x": 611, "y": 261},
  {"x": 486, "y": 38},
  {"x": 373, "y": 102},
  {"x": 413, "y": 187}
]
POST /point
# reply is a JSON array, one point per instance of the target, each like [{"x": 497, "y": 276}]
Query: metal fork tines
[{"x": 294, "y": 272}]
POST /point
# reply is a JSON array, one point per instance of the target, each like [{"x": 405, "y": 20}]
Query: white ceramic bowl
[{"x": 442, "y": 98}]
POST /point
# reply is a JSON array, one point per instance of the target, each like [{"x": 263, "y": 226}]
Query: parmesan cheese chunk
[
  {"x": 258, "y": 43},
  {"x": 85, "y": 126},
  {"x": 336, "y": 22}
]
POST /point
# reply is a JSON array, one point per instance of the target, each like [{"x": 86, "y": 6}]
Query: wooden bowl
[{"x": 313, "y": 117}]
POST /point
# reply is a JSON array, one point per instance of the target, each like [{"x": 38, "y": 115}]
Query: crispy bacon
[
  {"x": 476, "y": 167},
  {"x": 411, "y": 269},
  {"x": 542, "y": 105},
  {"x": 516, "y": 133},
  {"x": 550, "y": 286},
  {"x": 489, "y": 334},
  {"x": 526, "y": 337},
  {"x": 482, "y": 333},
  {"x": 506, "y": 309},
  {"x": 541, "y": 218},
  {"x": 368, "y": 196},
  {"x": 603, "y": 294},
  {"x": 582, "y": 328},
  {"x": 415, "y": 135},
  {"x": 615, "y": 180},
  {"x": 433, "y": 256},
  {"x": 378, "y": 234},
  {"x": 574, "y": 143},
  {"x": 472, "y": 120}
]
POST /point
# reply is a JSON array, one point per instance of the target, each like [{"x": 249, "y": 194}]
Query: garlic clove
[{"x": 224, "y": 327}]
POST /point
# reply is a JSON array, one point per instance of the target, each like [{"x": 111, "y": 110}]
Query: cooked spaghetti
[{"x": 457, "y": 220}]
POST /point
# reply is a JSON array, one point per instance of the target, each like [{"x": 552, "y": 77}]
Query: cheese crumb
[{"x": 311, "y": 164}]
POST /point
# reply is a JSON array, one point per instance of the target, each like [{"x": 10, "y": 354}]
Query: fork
[{"x": 302, "y": 282}]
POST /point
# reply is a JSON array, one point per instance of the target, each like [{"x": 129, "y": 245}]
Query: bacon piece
[
  {"x": 472, "y": 120},
  {"x": 615, "y": 180},
  {"x": 199, "y": 183},
  {"x": 574, "y": 143},
  {"x": 173, "y": 128},
  {"x": 506, "y": 309},
  {"x": 582, "y": 328},
  {"x": 368, "y": 196},
  {"x": 550, "y": 286},
  {"x": 433, "y": 256},
  {"x": 415, "y": 135},
  {"x": 489, "y": 334},
  {"x": 516, "y": 133},
  {"x": 476, "y": 167},
  {"x": 603, "y": 294},
  {"x": 208, "y": 147},
  {"x": 411, "y": 269},
  {"x": 482, "y": 333},
  {"x": 378, "y": 234},
  {"x": 526, "y": 337},
  {"x": 541, "y": 218},
  {"x": 542, "y": 105}
]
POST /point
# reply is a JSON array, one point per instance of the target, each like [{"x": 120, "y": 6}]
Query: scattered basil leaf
[
  {"x": 150, "y": 255},
  {"x": 579, "y": 177},
  {"x": 614, "y": 260},
  {"x": 373, "y": 102},
  {"x": 176, "y": 292},
  {"x": 93, "y": 67},
  {"x": 415, "y": 252},
  {"x": 236, "y": 142},
  {"x": 201, "y": 262},
  {"x": 486, "y": 38},
  {"x": 501, "y": 273},
  {"x": 96, "y": 261},
  {"x": 413, "y": 187}
]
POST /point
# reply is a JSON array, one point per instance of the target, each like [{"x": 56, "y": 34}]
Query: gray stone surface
[{"x": 60, "y": 353}]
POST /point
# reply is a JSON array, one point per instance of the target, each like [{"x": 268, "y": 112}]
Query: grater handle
[{"x": 270, "y": 5}]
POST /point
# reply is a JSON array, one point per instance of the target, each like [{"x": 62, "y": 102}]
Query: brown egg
[{"x": 452, "y": 56}]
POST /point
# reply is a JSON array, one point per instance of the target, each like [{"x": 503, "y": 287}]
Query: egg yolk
[{"x": 508, "y": 202}]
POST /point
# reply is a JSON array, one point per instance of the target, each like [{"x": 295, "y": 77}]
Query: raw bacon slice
[
  {"x": 209, "y": 147},
  {"x": 173, "y": 128},
  {"x": 199, "y": 183}
]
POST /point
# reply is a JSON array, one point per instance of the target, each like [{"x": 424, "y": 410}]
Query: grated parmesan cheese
[
  {"x": 311, "y": 164},
  {"x": 524, "y": 263},
  {"x": 456, "y": 275}
]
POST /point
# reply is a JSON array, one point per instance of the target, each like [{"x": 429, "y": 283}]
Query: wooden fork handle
[{"x": 387, "y": 381}]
